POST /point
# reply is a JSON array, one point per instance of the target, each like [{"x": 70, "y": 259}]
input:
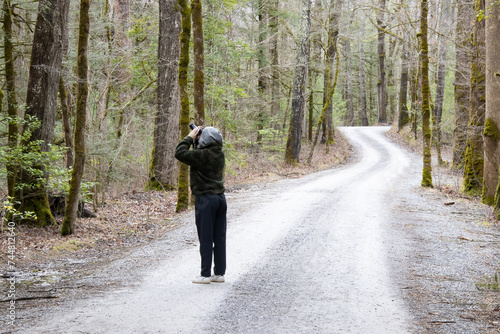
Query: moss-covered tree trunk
[
  {"x": 426, "y": 109},
  {"x": 465, "y": 11},
  {"x": 70, "y": 214},
  {"x": 492, "y": 125},
  {"x": 10, "y": 90},
  {"x": 329, "y": 75},
  {"x": 198, "y": 50},
  {"x": 183, "y": 185},
  {"x": 164, "y": 168},
  {"x": 294, "y": 141},
  {"x": 331, "y": 90},
  {"x": 41, "y": 104},
  {"x": 381, "y": 85},
  {"x": 474, "y": 155}
]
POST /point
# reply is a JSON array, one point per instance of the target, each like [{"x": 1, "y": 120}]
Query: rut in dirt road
[{"x": 305, "y": 256}]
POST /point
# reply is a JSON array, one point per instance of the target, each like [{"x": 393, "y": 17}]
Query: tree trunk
[
  {"x": 293, "y": 145},
  {"x": 329, "y": 76},
  {"x": 273, "y": 56},
  {"x": 68, "y": 226},
  {"x": 262, "y": 63},
  {"x": 41, "y": 102},
  {"x": 66, "y": 122},
  {"x": 403, "y": 117},
  {"x": 349, "y": 117},
  {"x": 121, "y": 22},
  {"x": 310, "y": 103},
  {"x": 441, "y": 74},
  {"x": 381, "y": 86},
  {"x": 314, "y": 65},
  {"x": 474, "y": 155},
  {"x": 10, "y": 88},
  {"x": 198, "y": 50},
  {"x": 331, "y": 90},
  {"x": 123, "y": 44},
  {"x": 426, "y": 110},
  {"x": 462, "y": 82},
  {"x": 416, "y": 105},
  {"x": 492, "y": 125},
  {"x": 163, "y": 171},
  {"x": 183, "y": 186},
  {"x": 362, "y": 79}
]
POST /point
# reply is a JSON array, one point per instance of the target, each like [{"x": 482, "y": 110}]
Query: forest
[{"x": 96, "y": 94}]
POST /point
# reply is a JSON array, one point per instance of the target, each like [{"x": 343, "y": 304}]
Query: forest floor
[{"x": 47, "y": 265}]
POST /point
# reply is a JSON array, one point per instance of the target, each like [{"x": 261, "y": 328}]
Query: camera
[{"x": 192, "y": 126}]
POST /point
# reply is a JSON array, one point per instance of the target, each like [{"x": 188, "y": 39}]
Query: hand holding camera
[
  {"x": 195, "y": 130},
  {"x": 195, "y": 133}
]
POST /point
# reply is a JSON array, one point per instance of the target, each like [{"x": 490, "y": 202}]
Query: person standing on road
[{"x": 207, "y": 184}]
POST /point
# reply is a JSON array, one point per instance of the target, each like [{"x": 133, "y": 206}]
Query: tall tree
[
  {"x": 441, "y": 73},
  {"x": 426, "y": 109},
  {"x": 66, "y": 122},
  {"x": 474, "y": 154},
  {"x": 68, "y": 226},
  {"x": 163, "y": 172},
  {"x": 123, "y": 44},
  {"x": 403, "y": 117},
  {"x": 315, "y": 63},
  {"x": 465, "y": 13},
  {"x": 41, "y": 103},
  {"x": 381, "y": 85},
  {"x": 334, "y": 15},
  {"x": 262, "y": 66},
  {"x": 362, "y": 78},
  {"x": 183, "y": 186},
  {"x": 492, "y": 125},
  {"x": 349, "y": 115},
  {"x": 274, "y": 56},
  {"x": 293, "y": 144},
  {"x": 10, "y": 81},
  {"x": 198, "y": 50},
  {"x": 65, "y": 99}
]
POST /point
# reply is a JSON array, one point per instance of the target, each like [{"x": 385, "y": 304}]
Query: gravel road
[{"x": 357, "y": 249}]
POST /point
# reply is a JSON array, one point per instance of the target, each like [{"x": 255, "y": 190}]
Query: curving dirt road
[{"x": 333, "y": 252}]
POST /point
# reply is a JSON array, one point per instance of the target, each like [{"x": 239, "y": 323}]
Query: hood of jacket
[{"x": 210, "y": 136}]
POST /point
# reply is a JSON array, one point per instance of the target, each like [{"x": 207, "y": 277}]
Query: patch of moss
[
  {"x": 489, "y": 283},
  {"x": 491, "y": 129},
  {"x": 427, "y": 179},
  {"x": 68, "y": 246}
]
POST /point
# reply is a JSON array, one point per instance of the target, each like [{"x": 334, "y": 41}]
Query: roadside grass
[{"x": 489, "y": 283}]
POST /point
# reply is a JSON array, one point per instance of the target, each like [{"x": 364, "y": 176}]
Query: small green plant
[
  {"x": 9, "y": 207},
  {"x": 489, "y": 283}
]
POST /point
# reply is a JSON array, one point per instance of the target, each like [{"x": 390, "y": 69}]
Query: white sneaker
[
  {"x": 218, "y": 279},
  {"x": 202, "y": 280}
]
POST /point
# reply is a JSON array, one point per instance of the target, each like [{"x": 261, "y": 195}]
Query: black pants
[{"x": 211, "y": 225}]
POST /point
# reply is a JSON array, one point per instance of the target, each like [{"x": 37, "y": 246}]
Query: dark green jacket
[{"x": 207, "y": 166}]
